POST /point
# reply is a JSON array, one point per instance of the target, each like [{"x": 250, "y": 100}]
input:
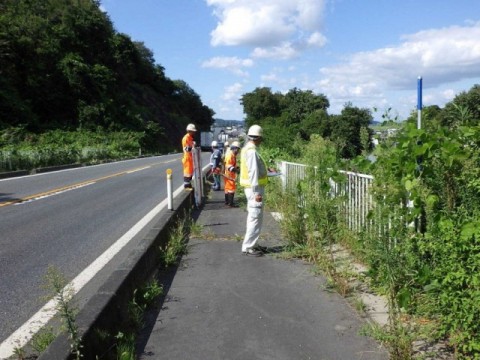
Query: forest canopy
[{"x": 63, "y": 66}]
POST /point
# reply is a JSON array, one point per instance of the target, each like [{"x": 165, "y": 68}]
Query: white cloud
[
  {"x": 270, "y": 78},
  {"x": 268, "y": 25},
  {"x": 228, "y": 107},
  {"x": 440, "y": 56},
  {"x": 317, "y": 40},
  {"x": 241, "y": 25},
  {"x": 275, "y": 79},
  {"x": 448, "y": 94},
  {"x": 233, "y": 64},
  {"x": 232, "y": 92},
  {"x": 283, "y": 52}
]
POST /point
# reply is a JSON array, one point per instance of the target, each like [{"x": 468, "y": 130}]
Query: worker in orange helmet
[
  {"x": 188, "y": 144},
  {"x": 231, "y": 171}
]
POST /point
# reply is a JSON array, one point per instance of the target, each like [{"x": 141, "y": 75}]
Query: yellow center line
[
  {"x": 169, "y": 161},
  {"x": 69, "y": 187}
]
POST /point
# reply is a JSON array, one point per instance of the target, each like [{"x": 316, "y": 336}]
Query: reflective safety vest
[
  {"x": 187, "y": 160},
  {"x": 262, "y": 168}
]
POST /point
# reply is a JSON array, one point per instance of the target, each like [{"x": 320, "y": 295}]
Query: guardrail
[{"x": 356, "y": 191}]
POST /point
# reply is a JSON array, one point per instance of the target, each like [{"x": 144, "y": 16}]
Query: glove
[{"x": 188, "y": 148}]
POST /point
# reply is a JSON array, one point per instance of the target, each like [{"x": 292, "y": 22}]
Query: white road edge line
[{"x": 24, "y": 333}]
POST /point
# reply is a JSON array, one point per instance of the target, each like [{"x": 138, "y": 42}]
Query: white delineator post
[{"x": 169, "y": 189}]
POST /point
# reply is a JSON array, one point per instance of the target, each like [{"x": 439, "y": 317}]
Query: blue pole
[
  {"x": 420, "y": 220},
  {"x": 419, "y": 102}
]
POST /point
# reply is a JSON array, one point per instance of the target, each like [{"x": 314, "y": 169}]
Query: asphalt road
[{"x": 66, "y": 219}]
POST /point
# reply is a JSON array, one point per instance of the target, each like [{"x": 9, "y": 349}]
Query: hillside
[{"x": 63, "y": 66}]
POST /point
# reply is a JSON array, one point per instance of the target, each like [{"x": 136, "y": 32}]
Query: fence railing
[{"x": 355, "y": 190}]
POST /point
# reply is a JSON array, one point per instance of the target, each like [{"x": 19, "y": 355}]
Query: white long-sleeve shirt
[{"x": 256, "y": 169}]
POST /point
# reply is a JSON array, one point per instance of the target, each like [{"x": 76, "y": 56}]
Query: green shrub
[{"x": 58, "y": 147}]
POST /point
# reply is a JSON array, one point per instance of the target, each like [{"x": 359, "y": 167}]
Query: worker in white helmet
[
  {"x": 188, "y": 144},
  {"x": 253, "y": 177},
  {"x": 216, "y": 165}
]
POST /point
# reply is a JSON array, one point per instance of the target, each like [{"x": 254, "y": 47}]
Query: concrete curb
[
  {"x": 106, "y": 311},
  {"x": 11, "y": 174}
]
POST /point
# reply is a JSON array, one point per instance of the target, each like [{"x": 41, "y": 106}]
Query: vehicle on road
[{"x": 206, "y": 138}]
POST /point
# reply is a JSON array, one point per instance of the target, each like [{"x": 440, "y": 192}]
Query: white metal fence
[{"x": 356, "y": 190}]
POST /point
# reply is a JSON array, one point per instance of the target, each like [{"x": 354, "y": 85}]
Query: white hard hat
[
  {"x": 214, "y": 143},
  {"x": 191, "y": 127},
  {"x": 235, "y": 144},
  {"x": 255, "y": 130}
]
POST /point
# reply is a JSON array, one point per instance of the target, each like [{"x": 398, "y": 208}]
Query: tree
[
  {"x": 260, "y": 104},
  {"x": 317, "y": 122},
  {"x": 190, "y": 105},
  {"x": 62, "y": 65},
  {"x": 346, "y": 130},
  {"x": 301, "y": 103},
  {"x": 463, "y": 109}
]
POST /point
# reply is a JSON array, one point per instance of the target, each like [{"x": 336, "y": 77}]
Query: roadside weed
[
  {"x": 58, "y": 288},
  {"x": 42, "y": 339},
  {"x": 177, "y": 243}
]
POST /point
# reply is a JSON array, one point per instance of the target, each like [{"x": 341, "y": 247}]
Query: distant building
[{"x": 391, "y": 132}]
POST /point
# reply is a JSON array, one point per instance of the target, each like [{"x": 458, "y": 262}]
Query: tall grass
[{"x": 29, "y": 151}]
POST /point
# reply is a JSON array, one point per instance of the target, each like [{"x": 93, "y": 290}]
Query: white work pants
[{"x": 254, "y": 219}]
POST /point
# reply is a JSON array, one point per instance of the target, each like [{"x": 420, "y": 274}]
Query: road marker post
[{"x": 169, "y": 189}]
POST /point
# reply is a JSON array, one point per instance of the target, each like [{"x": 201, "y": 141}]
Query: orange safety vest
[
  {"x": 187, "y": 160},
  {"x": 230, "y": 163}
]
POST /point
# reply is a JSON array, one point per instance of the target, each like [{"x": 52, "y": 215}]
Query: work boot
[
  {"x": 230, "y": 200},
  {"x": 263, "y": 249},
  {"x": 252, "y": 252}
]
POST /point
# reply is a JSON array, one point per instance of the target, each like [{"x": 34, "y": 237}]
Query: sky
[{"x": 369, "y": 53}]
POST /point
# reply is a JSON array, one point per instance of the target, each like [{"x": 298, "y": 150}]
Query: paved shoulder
[{"x": 223, "y": 305}]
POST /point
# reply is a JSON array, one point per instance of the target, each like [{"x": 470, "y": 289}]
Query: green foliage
[
  {"x": 177, "y": 244},
  {"x": 428, "y": 256},
  {"x": 63, "y": 66},
  {"x": 463, "y": 109},
  {"x": 42, "y": 339},
  {"x": 309, "y": 213},
  {"x": 20, "y": 353},
  {"x": 300, "y": 114},
  {"x": 346, "y": 131},
  {"x": 399, "y": 343},
  {"x": 21, "y": 151},
  {"x": 142, "y": 299},
  {"x": 147, "y": 294},
  {"x": 62, "y": 293},
  {"x": 292, "y": 224},
  {"x": 125, "y": 346},
  {"x": 425, "y": 251},
  {"x": 260, "y": 104}
]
